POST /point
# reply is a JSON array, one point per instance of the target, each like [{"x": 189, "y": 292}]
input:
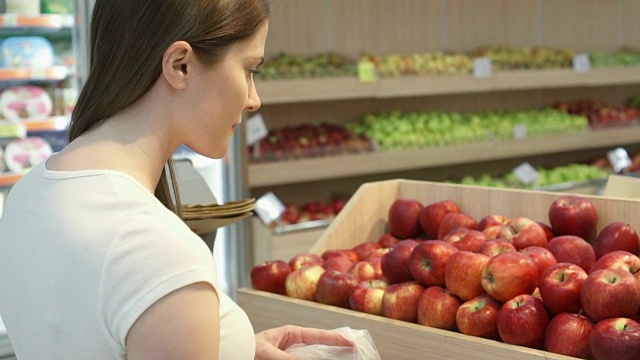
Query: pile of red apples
[{"x": 564, "y": 286}]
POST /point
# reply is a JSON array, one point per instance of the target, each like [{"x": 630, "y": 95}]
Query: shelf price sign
[
  {"x": 526, "y": 173},
  {"x": 619, "y": 159},
  {"x": 482, "y": 67},
  {"x": 269, "y": 208},
  {"x": 581, "y": 63},
  {"x": 256, "y": 129},
  {"x": 520, "y": 132}
]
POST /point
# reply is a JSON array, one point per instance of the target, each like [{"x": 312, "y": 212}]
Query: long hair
[{"x": 127, "y": 41}]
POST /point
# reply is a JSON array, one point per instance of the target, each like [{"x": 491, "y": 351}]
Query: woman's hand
[{"x": 271, "y": 343}]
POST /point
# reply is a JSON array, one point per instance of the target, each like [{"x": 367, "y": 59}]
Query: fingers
[
  {"x": 297, "y": 335},
  {"x": 267, "y": 351}
]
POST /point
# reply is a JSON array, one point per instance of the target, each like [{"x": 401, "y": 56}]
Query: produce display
[
  {"x": 288, "y": 66},
  {"x": 436, "y": 63},
  {"x": 601, "y": 114},
  {"x": 308, "y": 141},
  {"x": 509, "y": 58},
  {"x": 402, "y": 131},
  {"x": 573, "y": 287},
  {"x": 294, "y": 214},
  {"x": 624, "y": 57},
  {"x": 561, "y": 174}
]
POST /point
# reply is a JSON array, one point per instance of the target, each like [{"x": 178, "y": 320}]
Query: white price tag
[
  {"x": 482, "y": 67},
  {"x": 520, "y": 131},
  {"x": 581, "y": 63},
  {"x": 619, "y": 159},
  {"x": 256, "y": 129},
  {"x": 269, "y": 208},
  {"x": 10, "y": 20},
  {"x": 526, "y": 173}
]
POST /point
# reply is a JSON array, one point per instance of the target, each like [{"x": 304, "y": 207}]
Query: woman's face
[{"x": 221, "y": 93}]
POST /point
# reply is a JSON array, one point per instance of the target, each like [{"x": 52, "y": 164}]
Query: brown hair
[{"x": 127, "y": 42}]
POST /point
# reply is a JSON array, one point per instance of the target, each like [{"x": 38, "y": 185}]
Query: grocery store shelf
[
  {"x": 8, "y": 179},
  {"x": 44, "y": 21},
  {"x": 29, "y": 74},
  {"x": 54, "y": 123},
  {"x": 303, "y": 90},
  {"x": 297, "y": 171}
]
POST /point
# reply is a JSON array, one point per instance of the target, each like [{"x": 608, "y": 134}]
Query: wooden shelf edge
[
  {"x": 307, "y": 90},
  {"x": 316, "y": 169}
]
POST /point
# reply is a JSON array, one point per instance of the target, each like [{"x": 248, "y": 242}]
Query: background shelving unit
[{"x": 383, "y": 27}]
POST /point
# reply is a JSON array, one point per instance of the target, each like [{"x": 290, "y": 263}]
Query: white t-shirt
[{"x": 84, "y": 253}]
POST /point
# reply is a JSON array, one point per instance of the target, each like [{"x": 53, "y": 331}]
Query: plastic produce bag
[{"x": 363, "y": 348}]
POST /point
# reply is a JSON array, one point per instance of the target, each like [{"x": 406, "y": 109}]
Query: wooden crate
[{"x": 364, "y": 218}]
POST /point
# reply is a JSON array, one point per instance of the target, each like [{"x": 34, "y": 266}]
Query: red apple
[
  {"x": 568, "y": 334},
  {"x": 301, "y": 283},
  {"x": 619, "y": 260},
  {"x": 338, "y": 263},
  {"x": 523, "y": 321},
  {"x": 428, "y": 261},
  {"x": 387, "y": 240},
  {"x": 400, "y": 301},
  {"x": 367, "y": 296},
  {"x": 573, "y": 215},
  {"x": 303, "y": 260},
  {"x": 508, "y": 275},
  {"x": 403, "y": 218},
  {"x": 347, "y": 253},
  {"x": 573, "y": 249},
  {"x": 547, "y": 230},
  {"x": 395, "y": 263},
  {"x": 437, "y": 308},
  {"x": 363, "y": 270},
  {"x": 492, "y": 232},
  {"x": 492, "y": 220},
  {"x": 335, "y": 288},
  {"x": 463, "y": 272},
  {"x": 610, "y": 293},
  {"x": 455, "y": 220},
  {"x": 379, "y": 252},
  {"x": 523, "y": 232},
  {"x": 495, "y": 247},
  {"x": 270, "y": 276},
  {"x": 616, "y": 236},
  {"x": 431, "y": 216},
  {"x": 542, "y": 257},
  {"x": 465, "y": 239},
  {"x": 560, "y": 286},
  {"x": 376, "y": 262},
  {"x": 365, "y": 249},
  {"x": 616, "y": 338},
  {"x": 479, "y": 317}
]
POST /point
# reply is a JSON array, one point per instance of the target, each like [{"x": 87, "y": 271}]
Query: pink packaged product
[
  {"x": 24, "y": 102},
  {"x": 23, "y": 154},
  {"x": 27, "y": 52}
]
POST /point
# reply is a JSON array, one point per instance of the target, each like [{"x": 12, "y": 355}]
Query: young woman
[{"x": 94, "y": 261}]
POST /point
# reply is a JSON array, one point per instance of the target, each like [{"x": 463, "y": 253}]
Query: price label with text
[
  {"x": 269, "y": 208},
  {"x": 482, "y": 67},
  {"x": 619, "y": 159},
  {"x": 520, "y": 131},
  {"x": 256, "y": 129},
  {"x": 581, "y": 63},
  {"x": 526, "y": 173}
]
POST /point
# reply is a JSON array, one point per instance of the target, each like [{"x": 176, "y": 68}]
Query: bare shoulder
[{"x": 184, "y": 324}]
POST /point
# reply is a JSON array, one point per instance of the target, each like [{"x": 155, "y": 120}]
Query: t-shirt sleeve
[{"x": 148, "y": 261}]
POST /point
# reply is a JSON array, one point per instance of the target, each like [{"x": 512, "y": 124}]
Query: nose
[{"x": 253, "y": 104}]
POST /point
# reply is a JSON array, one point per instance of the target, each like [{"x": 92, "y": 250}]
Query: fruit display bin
[{"x": 364, "y": 218}]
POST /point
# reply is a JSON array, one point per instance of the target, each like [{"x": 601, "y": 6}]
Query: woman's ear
[{"x": 176, "y": 63}]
